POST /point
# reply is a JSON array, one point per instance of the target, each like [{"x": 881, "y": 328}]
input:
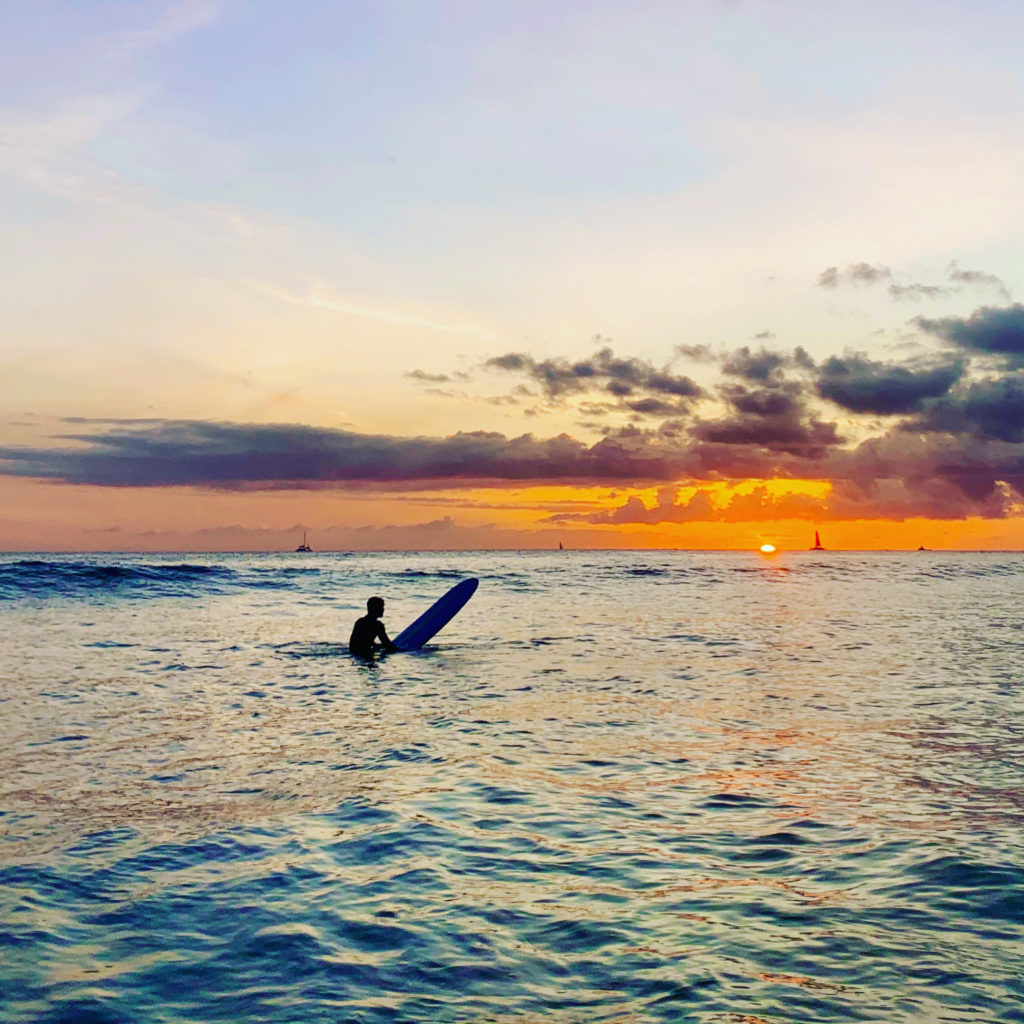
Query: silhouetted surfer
[{"x": 369, "y": 629}]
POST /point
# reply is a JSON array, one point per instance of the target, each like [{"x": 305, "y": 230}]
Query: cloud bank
[{"x": 939, "y": 435}]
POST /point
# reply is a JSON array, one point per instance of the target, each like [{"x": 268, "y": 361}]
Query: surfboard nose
[{"x": 437, "y": 616}]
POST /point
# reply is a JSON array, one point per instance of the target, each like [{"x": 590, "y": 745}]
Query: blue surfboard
[{"x": 436, "y": 617}]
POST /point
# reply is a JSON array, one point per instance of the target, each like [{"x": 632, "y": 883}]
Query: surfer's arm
[{"x": 385, "y": 641}]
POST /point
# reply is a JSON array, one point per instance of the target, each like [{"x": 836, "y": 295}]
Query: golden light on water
[{"x": 767, "y": 548}]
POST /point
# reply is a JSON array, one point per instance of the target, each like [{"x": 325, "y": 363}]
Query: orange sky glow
[
  {"x": 659, "y": 292},
  {"x": 65, "y": 517}
]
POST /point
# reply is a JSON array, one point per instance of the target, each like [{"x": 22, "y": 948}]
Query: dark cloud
[
  {"x": 227, "y": 455},
  {"x": 855, "y": 273},
  {"x": 808, "y": 439},
  {"x": 970, "y": 463},
  {"x": 773, "y": 418},
  {"x": 865, "y": 385},
  {"x": 783, "y": 400},
  {"x": 956, "y": 445},
  {"x": 991, "y": 409},
  {"x": 428, "y": 378},
  {"x": 917, "y": 498},
  {"x": 973, "y": 470},
  {"x": 657, "y": 407},
  {"x": 512, "y": 361},
  {"x": 992, "y": 330},
  {"x": 764, "y": 365},
  {"x": 696, "y": 353},
  {"x": 622, "y": 377}
]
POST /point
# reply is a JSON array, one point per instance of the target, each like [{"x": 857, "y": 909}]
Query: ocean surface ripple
[{"x": 620, "y": 787}]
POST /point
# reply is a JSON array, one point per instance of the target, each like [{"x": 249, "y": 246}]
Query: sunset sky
[{"x": 463, "y": 274}]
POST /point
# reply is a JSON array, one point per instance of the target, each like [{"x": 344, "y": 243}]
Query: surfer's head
[{"x": 375, "y": 606}]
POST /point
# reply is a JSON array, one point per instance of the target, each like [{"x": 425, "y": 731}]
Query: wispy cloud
[
  {"x": 867, "y": 274},
  {"x": 916, "y": 291},
  {"x": 48, "y": 151},
  {"x": 318, "y": 297},
  {"x": 978, "y": 278},
  {"x": 855, "y": 273},
  {"x": 175, "y": 20}
]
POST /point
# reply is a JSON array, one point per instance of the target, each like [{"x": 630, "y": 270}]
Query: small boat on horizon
[
  {"x": 817, "y": 543},
  {"x": 303, "y": 546}
]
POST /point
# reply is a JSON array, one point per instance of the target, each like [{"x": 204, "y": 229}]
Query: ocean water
[{"x": 619, "y": 787}]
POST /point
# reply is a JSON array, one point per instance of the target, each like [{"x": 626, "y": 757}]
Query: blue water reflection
[{"x": 619, "y": 787}]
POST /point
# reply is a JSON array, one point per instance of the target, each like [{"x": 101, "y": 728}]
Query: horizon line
[{"x": 426, "y": 551}]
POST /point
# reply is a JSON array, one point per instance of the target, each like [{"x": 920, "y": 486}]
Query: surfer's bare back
[{"x": 368, "y": 630}]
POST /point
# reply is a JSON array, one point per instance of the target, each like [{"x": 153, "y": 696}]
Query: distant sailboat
[
  {"x": 817, "y": 543},
  {"x": 560, "y": 548},
  {"x": 303, "y": 546}
]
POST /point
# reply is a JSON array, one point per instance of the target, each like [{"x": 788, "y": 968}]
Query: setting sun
[{"x": 767, "y": 548}]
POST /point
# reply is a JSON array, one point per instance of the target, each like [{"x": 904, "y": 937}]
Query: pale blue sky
[{"x": 279, "y": 192}]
